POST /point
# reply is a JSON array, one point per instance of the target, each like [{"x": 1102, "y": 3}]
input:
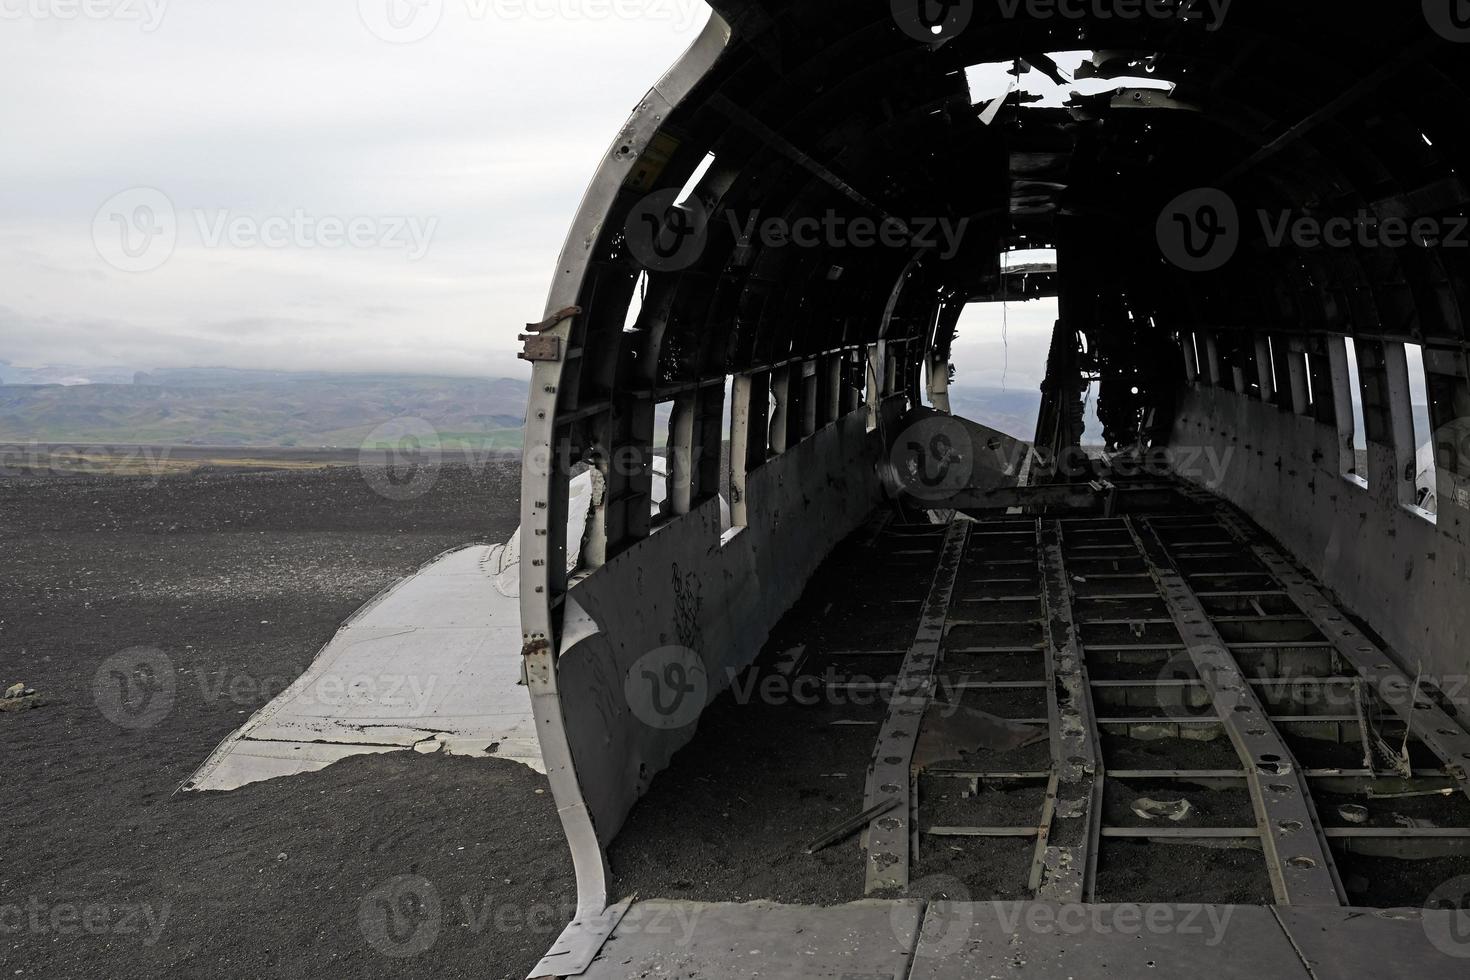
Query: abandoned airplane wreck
[{"x": 922, "y": 695}]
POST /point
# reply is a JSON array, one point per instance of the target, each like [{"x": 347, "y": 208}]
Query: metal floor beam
[
  {"x": 999, "y": 755},
  {"x": 889, "y": 857},
  {"x": 1067, "y": 845},
  {"x": 914, "y": 940},
  {"x": 1297, "y": 855}
]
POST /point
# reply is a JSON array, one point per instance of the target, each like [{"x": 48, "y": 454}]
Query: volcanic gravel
[{"x": 395, "y": 865}]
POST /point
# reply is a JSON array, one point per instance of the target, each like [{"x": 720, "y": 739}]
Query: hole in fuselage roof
[{"x": 989, "y": 81}]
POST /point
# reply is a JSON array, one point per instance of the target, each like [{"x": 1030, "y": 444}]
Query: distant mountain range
[
  {"x": 222, "y": 407},
  {"x": 227, "y": 407},
  {"x": 1010, "y": 410},
  {"x": 1014, "y": 411},
  {"x": 63, "y": 374}
]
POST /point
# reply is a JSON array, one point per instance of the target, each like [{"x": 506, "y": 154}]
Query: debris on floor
[
  {"x": 1175, "y": 810},
  {"x": 1417, "y": 823},
  {"x": 851, "y": 826},
  {"x": 951, "y": 732}
]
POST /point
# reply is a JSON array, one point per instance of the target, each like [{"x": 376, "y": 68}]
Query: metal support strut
[
  {"x": 1067, "y": 843},
  {"x": 889, "y": 853},
  {"x": 1297, "y": 856}
]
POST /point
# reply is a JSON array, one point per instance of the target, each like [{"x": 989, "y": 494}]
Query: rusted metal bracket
[
  {"x": 539, "y": 346},
  {"x": 553, "y": 320}
]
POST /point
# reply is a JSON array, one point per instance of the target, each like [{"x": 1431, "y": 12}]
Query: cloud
[
  {"x": 489, "y": 128},
  {"x": 1003, "y": 347}
]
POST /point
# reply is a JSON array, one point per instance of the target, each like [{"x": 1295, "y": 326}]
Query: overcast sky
[
  {"x": 354, "y": 185},
  {"x": 466, "y": 152}
]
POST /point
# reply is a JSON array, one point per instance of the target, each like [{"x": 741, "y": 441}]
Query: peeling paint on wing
[{"x": 429, "y": 666}]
